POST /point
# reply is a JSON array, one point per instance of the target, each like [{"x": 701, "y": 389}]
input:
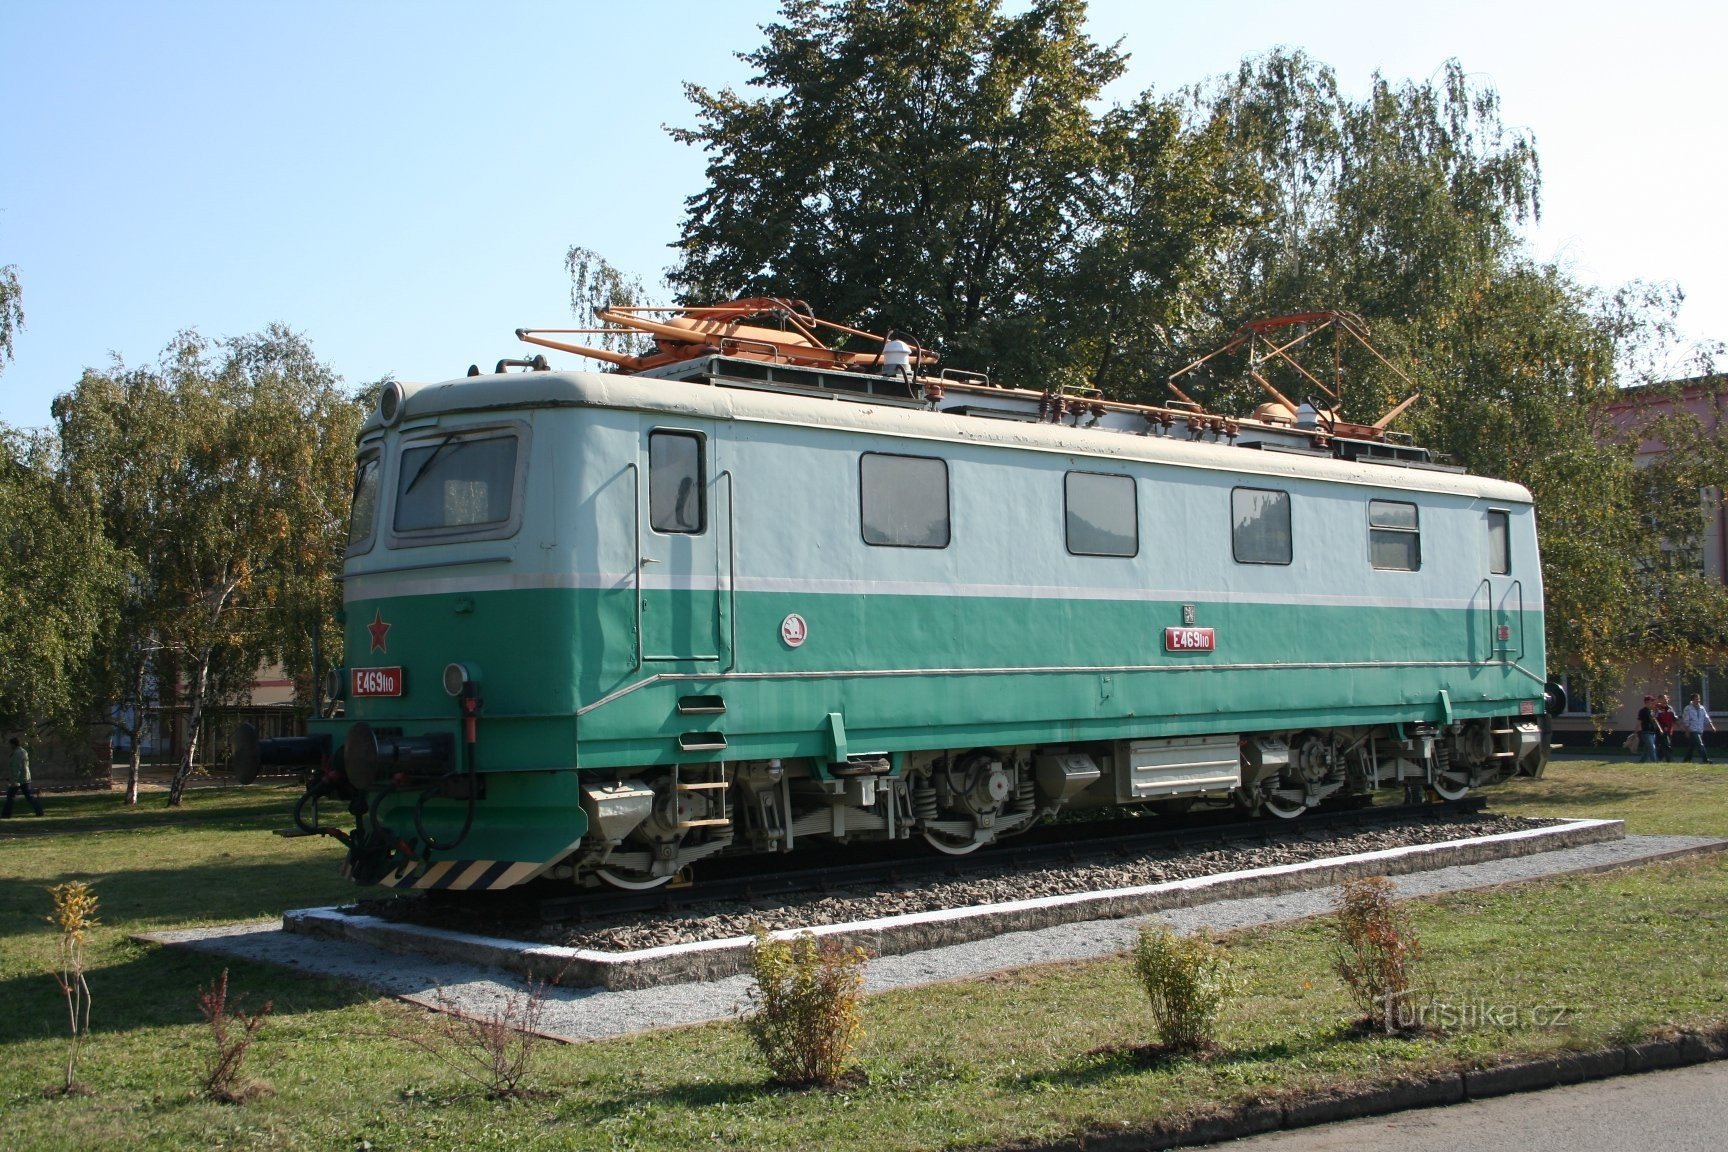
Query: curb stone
[
  {"x": 1258, "y": 1117},
  {"x": 1653, "y": 1056},
  {"x": 1424, "y": 1093},
  {"x": 1569, "y": 1068}
]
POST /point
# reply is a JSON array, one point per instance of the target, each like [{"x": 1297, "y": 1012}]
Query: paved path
[
  {"x": 593, "y": 1013},
  {"x": 1683, "y": 1110}
]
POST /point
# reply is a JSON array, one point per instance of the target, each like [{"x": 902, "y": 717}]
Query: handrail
[
  {"x": 741, "y": 342},
  {"x": 1518, "y": 586},
  {"x": 729, "y": 632},
  {"x": 636, "y": 552},
  {"x": 1484, "y": 589}
]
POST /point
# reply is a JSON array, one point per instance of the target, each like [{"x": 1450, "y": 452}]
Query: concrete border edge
[
  {"x": 1253, "y": 1118},
  {"x": 897, "y": 935}
]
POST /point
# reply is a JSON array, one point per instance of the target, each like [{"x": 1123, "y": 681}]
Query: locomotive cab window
[
  {"x": 1260, "y": 526},
  {"x": 1499, "y": 542},
  {"x": 676, "y": 496},
  {"x": 903, "y": 500},
  {"x": 363, "y": 511},
  {"x": 1103, "y": 515},
  {"x": 1394, "y": 536},
  {"x": 457, "y": 486}
]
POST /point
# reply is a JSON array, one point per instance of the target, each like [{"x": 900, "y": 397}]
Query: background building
[{"x": 1703, "y": 398}]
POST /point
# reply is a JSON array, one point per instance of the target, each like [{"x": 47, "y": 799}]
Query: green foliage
[
  {"x": 59, "y": 581},
  {"x": 11, "y": 310},
  {"x": 932, "y": 167},
  {"x": 806, "y": 1006},
  {"x": 232, "y": 1032},
  {"x": 1188, "y": 979},
  {"x": 1377, "y": 950},
  {"x": 219, "y": 478},
  {"x": 594, "y": 284}
]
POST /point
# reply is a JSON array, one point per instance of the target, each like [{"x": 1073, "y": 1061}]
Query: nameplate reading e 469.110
[
  {"x": 1189, "y": 640},
  {"x": 375, "y": 682}
]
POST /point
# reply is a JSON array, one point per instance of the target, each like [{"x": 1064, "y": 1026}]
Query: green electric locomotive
[{"x": 601, "y": 626}]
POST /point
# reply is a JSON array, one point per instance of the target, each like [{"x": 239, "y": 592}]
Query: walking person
[
  {"x": 1665, "y": 724},
  {"x": 1695, "y": 718},
  {"x": 1647, "y": 731},
  {"x": 20, "y": 780}
]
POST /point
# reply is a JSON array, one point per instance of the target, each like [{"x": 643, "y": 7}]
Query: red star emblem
[{"x": 379, "y": 630}]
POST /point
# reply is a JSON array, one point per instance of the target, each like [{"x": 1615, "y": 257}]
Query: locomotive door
[
  {"x": 1497, "y": 609},
  {"x": 679, "y": 573}
]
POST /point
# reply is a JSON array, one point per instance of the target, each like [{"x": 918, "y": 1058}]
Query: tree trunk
[
  {"x": 132, "y": 773},
  {"x": 132, "y": 733},
  {"x": 183, "y": 773}
]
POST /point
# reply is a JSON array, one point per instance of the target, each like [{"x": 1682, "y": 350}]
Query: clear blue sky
[{"x": 400, "y": 181}]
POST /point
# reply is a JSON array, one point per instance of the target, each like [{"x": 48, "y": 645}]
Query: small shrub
[
  {"x": 806, "y": 1006},
  {"x": 1377, "y": 949},
  {"x": 233, "y": 1031},
  {"x": 496, "y": 1050},
  {"x": 74, "y": 915},
  {"x": 1188, "y": 979}
]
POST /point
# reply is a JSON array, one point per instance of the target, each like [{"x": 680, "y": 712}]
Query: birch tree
[{"x": 221, "y": 474}]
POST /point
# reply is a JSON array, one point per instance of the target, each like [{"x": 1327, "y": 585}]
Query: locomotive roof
[{"x": 504, "y": 392}]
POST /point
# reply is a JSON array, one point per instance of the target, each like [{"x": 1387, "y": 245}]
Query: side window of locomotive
[
  {"x": 1103, "y": 515},
  {"x": 456, "y": 483},
  {"x": 904, "y": 500},
  {"x": 1394, "y": 537},
  {"x": 364, "y": 509},
  {"x": 1499, "y": 542},
  {"x": 675, "y": 488},
  {"x": 1260, "y": 526}
]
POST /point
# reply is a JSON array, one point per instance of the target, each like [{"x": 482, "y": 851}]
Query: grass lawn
[
  {"x": 1676, "y": 799},
  {"x": 1039, "y": 1052}
]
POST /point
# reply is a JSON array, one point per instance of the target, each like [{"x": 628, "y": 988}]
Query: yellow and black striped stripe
[{"x": 465, "y": 875}]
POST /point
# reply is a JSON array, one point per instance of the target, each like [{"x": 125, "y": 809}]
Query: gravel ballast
[{"x": 694, "y": 922}]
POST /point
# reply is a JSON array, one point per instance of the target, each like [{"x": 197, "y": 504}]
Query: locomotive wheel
[
  {"x": 950, "y": 845},
  {"x": 1282, "y": 806},
  {"x": 632, "y": 881},
  {"x": 1450, "y": 787}
]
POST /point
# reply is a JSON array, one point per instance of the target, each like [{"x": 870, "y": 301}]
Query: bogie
[{"x": 958, "y": 801}]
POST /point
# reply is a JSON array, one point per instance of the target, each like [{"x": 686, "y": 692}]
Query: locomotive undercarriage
[{"x": 648, "y": 826}]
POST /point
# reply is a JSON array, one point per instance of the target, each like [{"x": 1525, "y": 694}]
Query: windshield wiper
[
  {"x": 360, "y": 478},
  {"x": 433, "y": 455}
]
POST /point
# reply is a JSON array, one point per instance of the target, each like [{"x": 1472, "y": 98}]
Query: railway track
[{"x": 751, "y": 879}]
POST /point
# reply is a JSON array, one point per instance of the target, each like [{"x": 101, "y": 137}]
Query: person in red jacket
[{"x": 1665, "y": 722}]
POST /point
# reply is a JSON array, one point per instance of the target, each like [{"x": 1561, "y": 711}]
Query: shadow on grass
[
  {"x": 158, "y": 988},
  {"x": 222, "y": 888},
  {"x": 693, "y": 1097},
  {"x": 1102, "y": 1065},
  {"x": 219, "y": 889},
  {"x": 226, "y": 809},
  {"x": 1593, "y": 793}
]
